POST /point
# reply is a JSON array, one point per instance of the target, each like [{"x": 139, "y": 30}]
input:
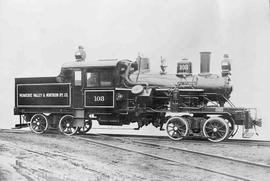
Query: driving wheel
[
  {"x": 177, "y": 128},
  {"x": 215, "y": 129}
]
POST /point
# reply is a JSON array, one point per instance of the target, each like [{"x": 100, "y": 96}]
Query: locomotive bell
[{"x": 184, "y": 68}]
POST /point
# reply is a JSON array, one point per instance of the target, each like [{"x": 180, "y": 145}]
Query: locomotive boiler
[{"x": 119, "y": 92}]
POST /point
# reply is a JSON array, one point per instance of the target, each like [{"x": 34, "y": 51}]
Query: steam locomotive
[{"x": 120, "y": 92}]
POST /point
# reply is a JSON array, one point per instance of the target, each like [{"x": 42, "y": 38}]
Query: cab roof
[{"x": 96, "y": 63}]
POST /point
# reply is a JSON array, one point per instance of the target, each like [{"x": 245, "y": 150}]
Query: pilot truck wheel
[
  {"x": 39, "y": 123},
  {"x": 66, "y": 125},
  {"x": 177, "y": 128},
  {"x": 215, "y": 129},
  {"x": 87, "y": 126}
]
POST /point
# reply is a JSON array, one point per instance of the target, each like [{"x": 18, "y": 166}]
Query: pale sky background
[{"x": 37, "y": 37}]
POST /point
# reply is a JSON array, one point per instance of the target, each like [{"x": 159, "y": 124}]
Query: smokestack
[{"x": 205, "y": 62}]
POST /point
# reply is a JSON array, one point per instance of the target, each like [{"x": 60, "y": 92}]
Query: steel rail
[
  {"x": 243, "y": 142},
  {"x": 159, "y": 157},
  {"x": 233, "y": 142},
  {"x": 230, "y": 141},
  {"x": 207, "y": 154},
  {"x": 195, "y": 152}
]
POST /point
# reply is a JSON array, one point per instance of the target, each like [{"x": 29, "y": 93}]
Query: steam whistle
[
  {"x": 143, "y": 64},
  {"x": 163, "y": 66}
]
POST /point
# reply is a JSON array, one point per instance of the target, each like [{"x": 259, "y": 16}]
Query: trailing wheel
[
  {"x": 39, "y": 123},
  {"x": 66, "y": 125},
  {"x": 177, "y": 128},
  {"x": 215, "y": 129},
  {"x": 87, "y": 126}
]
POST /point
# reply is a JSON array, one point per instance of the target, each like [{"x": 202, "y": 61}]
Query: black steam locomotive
[{"x": 120, "y": 92}]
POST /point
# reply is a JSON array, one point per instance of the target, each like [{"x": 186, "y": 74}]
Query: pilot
[{"x": 80, "y": 55}]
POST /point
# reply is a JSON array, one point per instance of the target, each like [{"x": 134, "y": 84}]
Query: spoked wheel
[
  {"x": 87, "y": 126},
  {"x": 215, "y": 129},
  {"x": 66, "y": 125},
  {"x": 39, "y": 123},
  {"x": 177, "y": 128},
  {"x": 232, "y": 129}
]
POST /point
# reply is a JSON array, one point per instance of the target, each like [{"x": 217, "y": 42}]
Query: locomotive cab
[
  {"x": 98, "y": 92},
  {"x": 91, "y": 83}
]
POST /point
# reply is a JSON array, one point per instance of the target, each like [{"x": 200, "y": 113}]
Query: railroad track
[
  {"x": 248, "y": 170},
  {"x": 252, "y": 171},
  {"x": 236, "y": 141},
  {"x": 204, "y": 154},
  {"x": 241, "y": 142},
  {"x": 31, "y": 174}
]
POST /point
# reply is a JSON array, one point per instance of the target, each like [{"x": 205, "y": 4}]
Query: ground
[{"x": 27, "y": 156}]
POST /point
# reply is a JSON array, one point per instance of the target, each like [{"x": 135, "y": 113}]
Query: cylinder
[{"x": 205, "y": 62}]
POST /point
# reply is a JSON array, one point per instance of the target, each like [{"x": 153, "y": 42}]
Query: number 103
[{"x": 99, "y": 98}]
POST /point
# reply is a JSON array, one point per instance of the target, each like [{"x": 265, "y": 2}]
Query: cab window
[
  {"x": 78, "y": 78},
  {"x": 92, "y": 79},
  {"x": 105, "y": 79},
  {"x": 99, "y": 79}
]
